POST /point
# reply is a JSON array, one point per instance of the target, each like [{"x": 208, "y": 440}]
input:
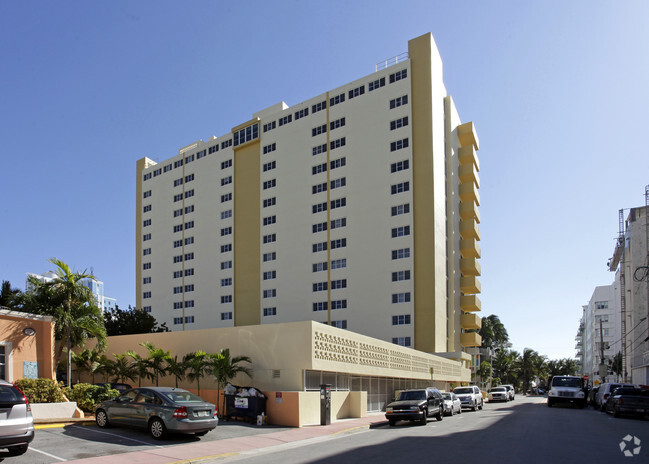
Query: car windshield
[
  {"x": 412, "y": 395},
  {"x": 573, "y": 382},
  {"x": 181, "y": 396},
  {"x": 497, "y": 389},
  {"x": 447, "y": 396},
  {"x": 462, "y": 391}
]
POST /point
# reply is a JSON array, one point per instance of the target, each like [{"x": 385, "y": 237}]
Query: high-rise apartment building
[{"x": 357, "y": 208}]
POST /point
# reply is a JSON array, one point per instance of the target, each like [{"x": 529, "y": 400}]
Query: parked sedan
[
  {"x": 498, "y": 394},
  {"x": 16, "y": 421},
  {"x": 452, "y": 404},
  {"x": 160, "y": 410}
]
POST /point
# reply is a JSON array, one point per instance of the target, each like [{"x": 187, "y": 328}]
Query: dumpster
[{"x": 244, "y": 407}]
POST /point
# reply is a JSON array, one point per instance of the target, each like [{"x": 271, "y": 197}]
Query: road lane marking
[
  {"x": 125, "y": 438},
  {"x": 31, "y": 448}
]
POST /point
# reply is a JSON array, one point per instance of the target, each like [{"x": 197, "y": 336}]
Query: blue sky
[{"x": 557, "y": 89}]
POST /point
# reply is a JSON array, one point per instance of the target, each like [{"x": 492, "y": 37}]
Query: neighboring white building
[{"x": 104, "y": 303}]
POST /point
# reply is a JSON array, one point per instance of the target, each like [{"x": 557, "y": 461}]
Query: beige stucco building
[{"x": 357, "y": 208}]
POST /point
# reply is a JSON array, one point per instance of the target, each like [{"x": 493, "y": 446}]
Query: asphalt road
[{"x": 523, "y": 431}]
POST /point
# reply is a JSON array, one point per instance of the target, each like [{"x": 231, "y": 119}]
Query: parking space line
[
  {"x": 31, "y": 448},
  {"x": 122, "y": 436}
]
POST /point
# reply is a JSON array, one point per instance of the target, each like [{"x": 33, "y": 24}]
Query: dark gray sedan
[{"x": 161, "y": 410}]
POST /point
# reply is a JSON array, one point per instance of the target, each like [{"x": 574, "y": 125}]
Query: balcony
[
  {"x": 469, "y": 192},
  {"x": 470, "y": 321},
  {"x": 470, "y": 303},
  {"x": 469, "y": 210},
  {"x": 467, "y": 135},
  {"x": 470, "y": 339},
  {"x": 470, "y": 285},
  {"x": 469, "y": 174},
  {"x": 467, "y": 155},
  {"x": 469, "y": 229},
  {"x": 470, "y": 267},
  {"x": 470, "y": 248}
]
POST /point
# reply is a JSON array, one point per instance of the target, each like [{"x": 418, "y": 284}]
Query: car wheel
[
  {"x": 424, "y": 417},
  {"x": 392, "y": 422},
  {"x": 17, "y": 450},
  {"x": 549, "y": 403},
  {"x": 157, "y": 429},
  {"x": 616, "y": 413},
  {"x": 459, "y": 410},
  {"x": 101, "y": 418},
  {"x": 452, "y": 411},
  {"x": 440, "y": 414},
  {"x": 481, "y": 404}
]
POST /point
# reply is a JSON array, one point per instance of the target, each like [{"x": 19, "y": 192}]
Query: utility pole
[{"x": 602, "y": 365}]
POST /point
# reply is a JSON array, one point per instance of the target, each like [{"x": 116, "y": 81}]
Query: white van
[
  {"x": 567, "y": 389},
  {"x": 605, "y": 391}
]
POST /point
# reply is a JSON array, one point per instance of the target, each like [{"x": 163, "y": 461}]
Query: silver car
[
  {"x": 16, "y": 421},
  {"x": 452, "y": 404},
  {"x": 161, "y": 410}
]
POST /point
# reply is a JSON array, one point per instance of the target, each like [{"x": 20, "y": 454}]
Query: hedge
[
  {"x": 89, "y": 396},
  {"x": 41, "y": 390}
]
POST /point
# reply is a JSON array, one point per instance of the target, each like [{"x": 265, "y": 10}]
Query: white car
[
  {"x": 452, "y": 404},
  {"x": 498, "y": 394},
  {"x": 510, "y": 390},
  {"x": 471, "y": 397}
]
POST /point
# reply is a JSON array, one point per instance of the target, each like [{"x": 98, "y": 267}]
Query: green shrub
[
  {"x": 41, "y": 390},
  {"x": 88, "y": 396}
]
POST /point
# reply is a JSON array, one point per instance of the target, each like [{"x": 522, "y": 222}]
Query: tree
[
  {"x": 503, "y": 365},
  {"x": 176, "y": 368},
  {"x": 224, "y": 368},
  {"x": 72, "y": 305},
  {"x": 197, "y": 366},
  {"x": 493, "y": 332},
  {"x": 484, "y": 371},
  {"x": 90, "y": 361},
  {"x": 156, "y": 361},
  {"x": 122, "y": 369},
  {"x": 9, "y": 297},
  {"x": 528, "y": 365},
  {"x": 617, "y": 366},
  {"x": 140, "y": 365},
  {"x": 131, "y": 321}
]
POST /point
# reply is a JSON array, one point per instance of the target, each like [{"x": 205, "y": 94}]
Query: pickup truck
[{"x": 628, "y": 400}]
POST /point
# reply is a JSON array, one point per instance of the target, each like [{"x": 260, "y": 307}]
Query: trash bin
[{"x": 245, "y": 407}]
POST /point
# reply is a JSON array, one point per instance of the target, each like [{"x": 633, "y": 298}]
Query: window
[
  {"x": 178, "y": 164},
  {"x": 270, "y": 293},
  {"x": 226, "y": 143},
  {"x": 320, "y": 287},
  {"x": 268, "y": 220},
  {"x": 402, "y": 319},
  {"x": 189, "y": 209},
  {"x": 146, "y": 223},
  {"x": 400, "y": 188},
  {"x": 322, "y": 246},
  {"x": 167, "y": 168},
  {"x": 146, "y": 266},
  {"x": 227, "y": 282},
  {"x": 401, "y": 341},
  {"x": 401, "y": 297},
  {"x": 319, "y": 188},
  {"x": 189, "y": 193},
  {"x": 339, "y": 243},
  {"x": 601, "y": 305},
  {"x": 226, "y": 164},
  {"x": 319, "y": 149},
  {"x": 285, "y": 119},
  {"x": 270, "y": 275},
  {"x": 189, "y": 304},
  {"x": 272, "y": 256},
  {"x": 318, "y": 130},
  {"x": 301, "y": 113},
  {"x": 337, "y": 123},
  {"x": 226, "y": 180},
  {"x": 227, "y": 316},
  {"x": 400, "y": 275},
  {"x": 338, "y": 223},
  {"x": 226, "y": 248},
  {"x": 226, "y": 265},
  {"x": 146, "y": 251},
  {"x": 178, "y": 182},
  {"x": 397, "y": 76},
  {"x": 178, "y": 305},
  {"x": 226, "y": 214},
  {"x": 269, "y": 184},
  {"x": 189, "y": 178},
  {"x": 320, "y": 306},
  {"x": 146, "y": 237},
  {"x": 339, "y": 324},
  {"x": 178, "y": 197},
  {"x": 318, "y": 267},
  {"x": 338, "y": 203},
  {"x": 178, "y": 320},
  {"x": 147, "y": 194},
  {"x": 246, "y": 134},
  {"x": 178, "y": 290},
  {"x": 189, "y": 225},
  {"x": 337, "y": 163},
  {"x": 340, "y": 283},
  {"x": 178, "y": 228},
  {"x": 602, "y": 318},
  {"x": 147, "y": 176},
  {"x": 178, "y": 243},
  {"x": 147, "y": 309},
  {"x": 178, "y": 274},
  {"x": 398, "y": 145},
  {"x": 399, "y": 101},
  {"x": 189, "y": 240},
  {"x": 397, "y": 123},
  {"x": 337, "y": 183},
  {"x": 356, "y": 92},
  {"x": 338, "y": 304},
  {"x": 339, "y": 263},
  {"x": 337, "y": 143},
  {"x": 399, "y": 166},
  {"x": 157, "y": 172},
  {"x": 226, "y": 197},
  {"x": 319, "y": 106},
  {"x": 189, "y": 159},
  {"x": 269, "y": 126},
  {"x": 146, "y": 295},
  {"x": 337, "y": 99},
  {"x": 201, "y": 154},
  {"x": 147, "y": 208},
  {"x": 189, "y": 256},
  {"x": 226, "y": 299},
  {"x": 319, "y": 227},
  {"x": 269, "y": 166},
  {"x": 270, "y": 311},
  {"x": 226, "y": 231},
  {"x": 376, "y": 84},
  {"x": 178, "y": 212},
  {"x": 319, "y": 168},
  {"x": 400, "y": 231},
  {"x": 189, "y": 319},
  {"x": 401, "y": 209},
  {"x": 320, "y": 207},
  {"x": 401, "y": 253},
  {"x": 269, "y": 148},
  {"x": 270, "y": 238},
  {"x": 189, "y": 288},
  {"x": 189, "y": 272}
]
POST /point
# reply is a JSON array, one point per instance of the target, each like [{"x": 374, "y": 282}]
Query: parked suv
[
  {"x": 471, "y": 397},
  {"x": 16, "y": 421},
  {"x": 567, "y": 389},
  {"x": 510, "y": 391},
  {"x": 416, "y": 405},
  {"x": 606, "y": 390}
]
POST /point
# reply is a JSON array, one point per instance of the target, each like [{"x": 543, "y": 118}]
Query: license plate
[
  {"x": 3, "y": 415},
  {"x": 201, "y": 413}
]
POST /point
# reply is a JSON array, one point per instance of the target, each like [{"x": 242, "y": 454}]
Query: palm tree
[
  {"x": 8, "y": 295},
  {"x": 176, "y": 368},
  {"x": 122, "y": 369},
  {"x": 197, "y": 367},
  {"x": 140, "y": 364},
  {"x": 224, "y": 368},
  {"x": 157, "y": 361},
  {"x": 72, "y": 305},
  {"x": 528, "y": 366},
  {"x": 90, "y": 361},
  {"x": 493, "y": 332}
]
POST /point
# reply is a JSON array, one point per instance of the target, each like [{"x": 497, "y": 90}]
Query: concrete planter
[{"x": 56, "y": 410}]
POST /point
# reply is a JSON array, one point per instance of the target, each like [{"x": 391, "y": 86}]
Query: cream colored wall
[{"x": 21, "y": 348}]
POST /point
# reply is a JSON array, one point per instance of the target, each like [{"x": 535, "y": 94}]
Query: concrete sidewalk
[{"x": 205, "y": 452}]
